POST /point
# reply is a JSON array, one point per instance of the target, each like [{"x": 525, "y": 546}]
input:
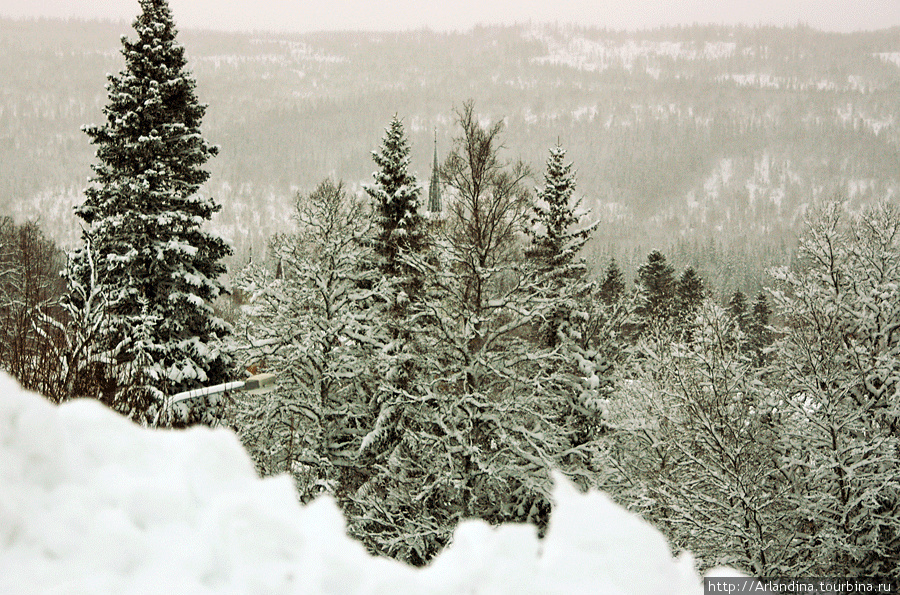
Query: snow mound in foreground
[{"x": 90, "y": 503}]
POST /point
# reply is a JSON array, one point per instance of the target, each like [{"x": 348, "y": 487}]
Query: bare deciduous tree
[
  {"x": 29, "y": 284},
  {"x": 489, "y": 202}
]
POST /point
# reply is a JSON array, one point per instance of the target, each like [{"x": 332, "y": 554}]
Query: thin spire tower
[{"x": 434, "y": 190}]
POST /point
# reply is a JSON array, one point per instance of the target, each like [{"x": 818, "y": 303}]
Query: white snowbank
[{"x": 90, "y": 503}]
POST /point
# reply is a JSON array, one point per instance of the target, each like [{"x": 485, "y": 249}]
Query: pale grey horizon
[{"x": 319, "y": 15}]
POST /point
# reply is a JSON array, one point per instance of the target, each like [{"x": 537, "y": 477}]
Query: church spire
[{"x": 434, "y": 190}]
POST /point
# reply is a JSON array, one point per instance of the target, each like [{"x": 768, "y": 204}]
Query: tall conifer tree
[
  {"x": 554, "y": 245},
  {"x": 396, "y": 197},
  {"x": 758, "y": 334},
  {"x": 737, "y": 308},
  {"x": 157, "y": 269}
]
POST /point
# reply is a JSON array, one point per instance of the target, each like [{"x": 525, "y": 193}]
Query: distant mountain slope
[{"x": 677, "y": 134}]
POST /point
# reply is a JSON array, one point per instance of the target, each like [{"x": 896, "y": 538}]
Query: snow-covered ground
[{"x": 90, "y": 503}]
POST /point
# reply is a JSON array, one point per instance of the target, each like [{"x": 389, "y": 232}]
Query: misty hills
[{"x": 691, "y": 136}]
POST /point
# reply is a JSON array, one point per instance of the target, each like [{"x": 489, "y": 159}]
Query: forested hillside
[{"x": 707, "y": 142}]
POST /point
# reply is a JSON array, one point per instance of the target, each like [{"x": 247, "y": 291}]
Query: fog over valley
[{"x": 693, "y": 134}]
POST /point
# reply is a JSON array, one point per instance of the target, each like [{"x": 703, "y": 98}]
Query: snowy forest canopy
[{"x": 436, "y": 366}]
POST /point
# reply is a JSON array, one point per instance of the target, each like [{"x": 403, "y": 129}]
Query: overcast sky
[{"x": 310, "y": 15}]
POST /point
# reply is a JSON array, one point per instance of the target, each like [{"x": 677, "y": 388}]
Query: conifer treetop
[
  {"x": 151, "y": 139},
  {"x": 613, "y": 286},
  {"x": 656, "y": 287},
  {"x": 554, "y": 244},
  {"x": 396, "y": 197}
]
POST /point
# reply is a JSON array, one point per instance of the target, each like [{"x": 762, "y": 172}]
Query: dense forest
[{"x": 707, "y": 142}]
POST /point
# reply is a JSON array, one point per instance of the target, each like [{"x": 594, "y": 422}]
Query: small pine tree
[
  {"x": 656, "y": 289},
  {"x": 759, "y": 336},
  {"x": 688, "y": 299},
  {"x": 689, "y": 293},
  {"x": 156, "y": 268},
  {"x": 613, "y": 286},
  {"x": 737, "y": 309}
]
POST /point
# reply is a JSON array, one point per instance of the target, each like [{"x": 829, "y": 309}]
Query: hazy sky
[{"x": 306, "y": 15}]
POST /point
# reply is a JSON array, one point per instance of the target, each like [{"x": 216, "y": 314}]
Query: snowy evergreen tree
[
  {"x": 759, "y": 335},
  {"x": 155, "y": 266},
  {"x": 656, "y": 290},
  {"x": 400, "y": 239},
  {"x": 555, "y": 244},
  {"x": 401, "y": 227},
  {"x": 581, "y": 328},
  {"x": 688, "y": 293},
  {"x": 389, "y": 334},
  {"x": 688, "y": 299},
  {"x": 737, "y": 308}
]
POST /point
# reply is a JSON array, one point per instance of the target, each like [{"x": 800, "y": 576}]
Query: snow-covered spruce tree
[
  {"x": 737, "y": 309},
  {"x": 396, "y": 197},
  {"x": 155, "y": 266},
  {"x": 688, "y": 293},
  {"x": 759, "y": 335},
  {"x": 754, "y": 324},
  {"x": 837, "y": 373},
  {"x": 381, "y": 507},
  {"x": 609, "y": 316},
  {"x": 298, "y": 326},
  {"x": 555, "y": 243},
  {"x": 399, "y": 240},
  {"x": 579, "y": 325}
]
